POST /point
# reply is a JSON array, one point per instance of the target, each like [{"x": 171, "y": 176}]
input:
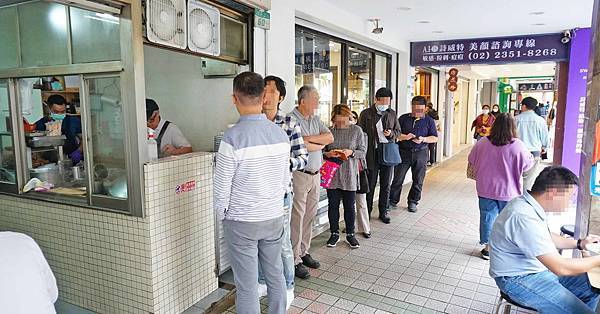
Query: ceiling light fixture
[
  {"x": 424, "y": 22},
  {"x": 404, "y": 8},
  {"x": 437, "y": 32},
  {"x": 539, "y": 24},
  {"x": 537, "y": 13}
]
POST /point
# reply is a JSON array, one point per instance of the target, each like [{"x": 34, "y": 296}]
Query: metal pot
[
  {"x": 47, "y": 173},
  {"x": 78, "y": 173}
]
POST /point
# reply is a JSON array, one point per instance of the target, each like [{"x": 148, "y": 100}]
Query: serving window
[{"x": 63, "y": 106}]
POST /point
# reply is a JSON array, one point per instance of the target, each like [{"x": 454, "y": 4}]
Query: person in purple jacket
[{"x": 498, "y": 162}]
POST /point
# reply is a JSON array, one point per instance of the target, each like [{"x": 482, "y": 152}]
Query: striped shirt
[
  {"x": 252, "y": 171},
  {"x": 299, "y": 154}
]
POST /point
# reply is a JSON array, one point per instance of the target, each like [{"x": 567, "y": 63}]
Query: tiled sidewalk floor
[{"x": 424, "y": 262}]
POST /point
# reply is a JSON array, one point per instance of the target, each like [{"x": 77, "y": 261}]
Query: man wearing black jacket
[{"x": 380, "y": 111}]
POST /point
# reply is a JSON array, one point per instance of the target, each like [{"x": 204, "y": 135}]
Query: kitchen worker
[
  {"x": 70, "y": 126},
  {"x": 27, "y": 285},
  {"x": 169, "y": 139}
]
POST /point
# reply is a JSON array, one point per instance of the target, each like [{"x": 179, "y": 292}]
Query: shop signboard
[
  {"x": 533, "y": 87},
  {"x": 526, "y": 48},
  {"x": 576, "y": 97}
]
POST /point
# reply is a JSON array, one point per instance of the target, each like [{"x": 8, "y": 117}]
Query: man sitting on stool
[{"x": 524, "y": 260}]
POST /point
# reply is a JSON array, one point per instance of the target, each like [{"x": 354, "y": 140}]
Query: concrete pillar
[{"x": 588, "y": 207}]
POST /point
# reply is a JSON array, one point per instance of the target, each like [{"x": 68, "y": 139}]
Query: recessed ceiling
[{"x": 471, "y": 18}]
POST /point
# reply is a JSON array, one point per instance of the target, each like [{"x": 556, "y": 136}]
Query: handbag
[
  {"x": 389, "y": 154},
  {"x": 471, "y": 172},
  {"x": 363, "y": 179},
  {"x": 328, "y": 171}
]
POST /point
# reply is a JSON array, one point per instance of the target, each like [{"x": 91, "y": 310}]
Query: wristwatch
[{"x": 579, "y": 245}]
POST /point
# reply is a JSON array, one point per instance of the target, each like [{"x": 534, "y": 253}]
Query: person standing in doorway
[
  {"x": 349, "y": 144},
  {"x": 418, "y": 131},
  {"x": 274, "y": 94},
  {"x": 388, "y": 130},
  {"x": 495, "y": 110},
  {"x": 498, "y": 162},
  {"x": 483, "y": 123},
  {"x": 307, "y": 182},
  {"x": 363, "y": 225},
  {"x": 252, "y": 173},
  {"x": 533, "y": 131}
]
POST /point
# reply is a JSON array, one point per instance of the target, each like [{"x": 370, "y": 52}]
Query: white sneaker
[
  {"x": 262, "y": 290},
  {"x": 290, "y": 298}
]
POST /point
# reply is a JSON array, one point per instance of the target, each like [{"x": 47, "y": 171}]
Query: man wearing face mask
[
  {"x": 70, "y": 126},
  {"x": 368, "y": 120},
  {"x": 418, "y": 130}
]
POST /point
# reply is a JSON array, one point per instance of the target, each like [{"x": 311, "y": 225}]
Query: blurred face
[
  {"x": 495, "y": 109},
  {"x": 384, "y": 101},
  {"x": 153, "y": 121},
  {"x": 311, "y": 102},
  {"x": 272, "y": 96},
  {"x": 560, "y": 199},
  {"x": 58, "y": 108},
  {"x": 418, "y": 110},
  {"x": 341, "y": 121}
]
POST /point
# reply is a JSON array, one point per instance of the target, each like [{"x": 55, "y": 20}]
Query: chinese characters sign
[
  {"x": 528, "y": 48},
  {"x": 576, "y": 97},
  {"x": 185, "y": 187},
  {"x": 526, "y": 87}
]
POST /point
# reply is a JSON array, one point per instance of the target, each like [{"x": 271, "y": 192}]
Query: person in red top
[{"x": 483, "y": 123}]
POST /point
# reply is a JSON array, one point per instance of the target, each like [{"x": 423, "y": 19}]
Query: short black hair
[
  {"x": 384, "y": 92},
  {"x": 529, "y": 102},
  {"x": 554, "y": 177},
  {"x": 249, "y": 84},
  {"x": 56, "y": 100},
  {"x": 279, "y": 83},
  {"x": 151, "y": 106},
  {"x": 355, "y": 115},
  {"x": 420, "y": 100}
]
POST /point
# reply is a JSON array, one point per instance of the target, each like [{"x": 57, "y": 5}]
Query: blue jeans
[
  {"x": 287, "y": 255},
  {"x": 488, "y": 211},
  {"x": 548, "y": 293}
]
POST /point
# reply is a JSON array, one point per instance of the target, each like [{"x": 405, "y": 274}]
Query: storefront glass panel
[
  {"x": 359, "y": 79},
  {"x": 318, "y": 63},
  {"x": 43, "y": 34},
  {"x": 104, "y": 45},
  {"x": 381, "y": 66},
  {"x": 8, "y": 37},
  {"x": 7, "y": 152},
  {"x": 107, "y": 132}
]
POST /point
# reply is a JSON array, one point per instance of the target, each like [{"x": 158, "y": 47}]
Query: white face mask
[
  {"x": 486, "y": 111},
  {"x": 382, "y": 108},
  {"x": 495, "y": 110}
]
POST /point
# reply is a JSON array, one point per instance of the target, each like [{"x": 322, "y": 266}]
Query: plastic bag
[{"x": 328, "y": 170}]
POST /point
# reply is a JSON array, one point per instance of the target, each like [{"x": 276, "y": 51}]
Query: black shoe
[
  {"x": 485, "y": 254},
  {"x": 333, "y": 239},
  {"x": 308, "y": 261},
  {"x": 301, "y": 271},
  {"x": 393, "y": 205},
  {"x": 367, "y": 235},
  {"x": 352, "y": 241},
  {"x": 412, "y": 207},
  {"x": 385, "y": 218}
]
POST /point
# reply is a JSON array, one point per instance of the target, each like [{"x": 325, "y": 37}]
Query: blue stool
[{"x": 506, "y": 303}]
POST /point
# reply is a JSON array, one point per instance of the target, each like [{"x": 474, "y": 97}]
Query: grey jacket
[{"x": 368, "y": 120}]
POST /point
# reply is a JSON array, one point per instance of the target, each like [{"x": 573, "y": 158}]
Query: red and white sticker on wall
[{"x": 185, "y": 187}]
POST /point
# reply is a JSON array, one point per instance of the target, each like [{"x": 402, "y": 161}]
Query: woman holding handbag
[
  {"x": 497, "y": 163},
  {"x": 348, "y": 144},
  {"x": 363, "y": 224}
]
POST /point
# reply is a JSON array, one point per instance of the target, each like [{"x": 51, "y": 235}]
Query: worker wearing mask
[
  {"x": 70, "y": 126},
  {"x": 169, "y": 139}
]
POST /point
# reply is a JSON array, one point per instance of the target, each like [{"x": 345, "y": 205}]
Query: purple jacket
[{"x": 498, "y": 169}]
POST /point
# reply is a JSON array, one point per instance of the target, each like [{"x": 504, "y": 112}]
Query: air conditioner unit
[
  {"x": 166, "y": 22},
  {"x": 203, "y": 28}
]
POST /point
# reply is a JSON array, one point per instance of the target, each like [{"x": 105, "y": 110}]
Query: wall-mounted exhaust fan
[
  {"x": 203, "y": 28},
  {"x": 166, "y": 22}
]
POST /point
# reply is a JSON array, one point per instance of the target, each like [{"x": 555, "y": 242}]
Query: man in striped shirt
[
  {"x": 251, "y": 177},
  {"x": 274, "y": 94}
]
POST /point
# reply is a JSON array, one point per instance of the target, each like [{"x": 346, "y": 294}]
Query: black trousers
[
  {"x": 385, "y": 177},
  {"x": 432, "y": 153},
  {"x": 334, "y": 196},
  {"x": 417, "y": 162}
]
